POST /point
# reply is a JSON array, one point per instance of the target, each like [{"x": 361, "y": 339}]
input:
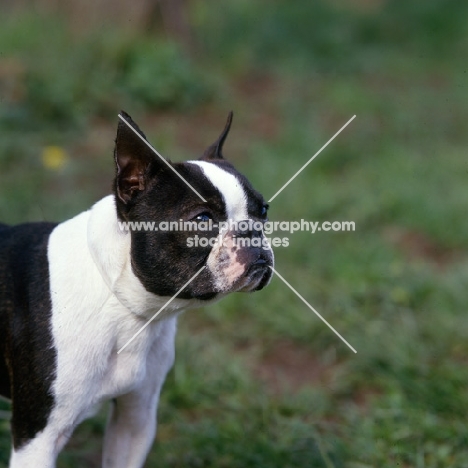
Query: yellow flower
[
  {"x": 400, "y": 295},
  {"x": 53, "y": 157}
]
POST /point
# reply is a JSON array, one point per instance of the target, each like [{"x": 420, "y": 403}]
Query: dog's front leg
[
  {"x": 132, "y": 420},
  {"x": 39, "y": 452},
  {"x": 33, "y": 456},
  {"x": 42, "y": 448},
  {"x": 130, "y": 431}
]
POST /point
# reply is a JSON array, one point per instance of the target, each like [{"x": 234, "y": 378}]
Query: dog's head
[{"x": 183, "y": 233}]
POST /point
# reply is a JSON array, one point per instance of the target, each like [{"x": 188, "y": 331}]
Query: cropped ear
[
  {"x": 215, "y": 150},
  {"x": 132, "y": 158}
]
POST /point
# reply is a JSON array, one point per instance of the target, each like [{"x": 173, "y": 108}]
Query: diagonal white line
[
  {"x": 160, "y": 310},
  {"x": 157, "y": 153},
  {"x": 312, "y": 309},
  {"x": 312, "y": 158}
]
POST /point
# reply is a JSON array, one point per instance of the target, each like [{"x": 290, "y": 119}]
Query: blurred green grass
[{"x": 259, "y": 381}]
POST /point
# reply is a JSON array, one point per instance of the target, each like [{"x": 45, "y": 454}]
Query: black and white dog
[{"x": 73, "y": 294}]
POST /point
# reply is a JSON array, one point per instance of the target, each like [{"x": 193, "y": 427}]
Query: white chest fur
[{"x": 97, "y": 306}]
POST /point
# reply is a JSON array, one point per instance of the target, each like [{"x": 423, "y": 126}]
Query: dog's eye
[
  {"x": 264, "y": 210},
  {"x": 203, "y": 217}
]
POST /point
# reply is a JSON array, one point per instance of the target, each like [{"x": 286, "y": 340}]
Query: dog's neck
[{"x": 109, "y": 247}]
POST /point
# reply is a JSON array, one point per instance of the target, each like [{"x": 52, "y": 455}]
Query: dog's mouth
[
  {"x": 255, "y": 278},
  {"x": 257, "y": 275}
]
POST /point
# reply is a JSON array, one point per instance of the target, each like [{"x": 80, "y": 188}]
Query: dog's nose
[{"x": 260, "y": 261}]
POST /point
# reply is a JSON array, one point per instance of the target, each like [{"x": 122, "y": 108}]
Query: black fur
[
  {"x": 28, "y": 356},
  {"x": 147, "y": 189}
]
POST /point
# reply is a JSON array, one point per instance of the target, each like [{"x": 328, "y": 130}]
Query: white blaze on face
[
  {"x": 230, "y": 188},
  {"x": 222, "y": 261}
]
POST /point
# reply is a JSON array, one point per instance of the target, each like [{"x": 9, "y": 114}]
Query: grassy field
[{"x": 259, "y": 380}]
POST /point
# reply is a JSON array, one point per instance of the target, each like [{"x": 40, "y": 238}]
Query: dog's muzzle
[{"x": 257, "y": 256}]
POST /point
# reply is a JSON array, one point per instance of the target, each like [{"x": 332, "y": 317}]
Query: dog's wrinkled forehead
[{"x": 230, "y": 188}]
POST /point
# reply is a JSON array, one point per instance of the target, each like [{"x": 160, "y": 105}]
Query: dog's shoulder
[
  {"x": 23, "y": 253},
  {"x": 24, "y": 237},
  {"x": 23, "y": 259}
]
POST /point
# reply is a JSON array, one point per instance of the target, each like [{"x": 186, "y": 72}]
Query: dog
[{"x": 74, "y": 296}]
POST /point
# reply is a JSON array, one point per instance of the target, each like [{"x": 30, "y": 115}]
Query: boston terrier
[{"x": 77, "y": 298}]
